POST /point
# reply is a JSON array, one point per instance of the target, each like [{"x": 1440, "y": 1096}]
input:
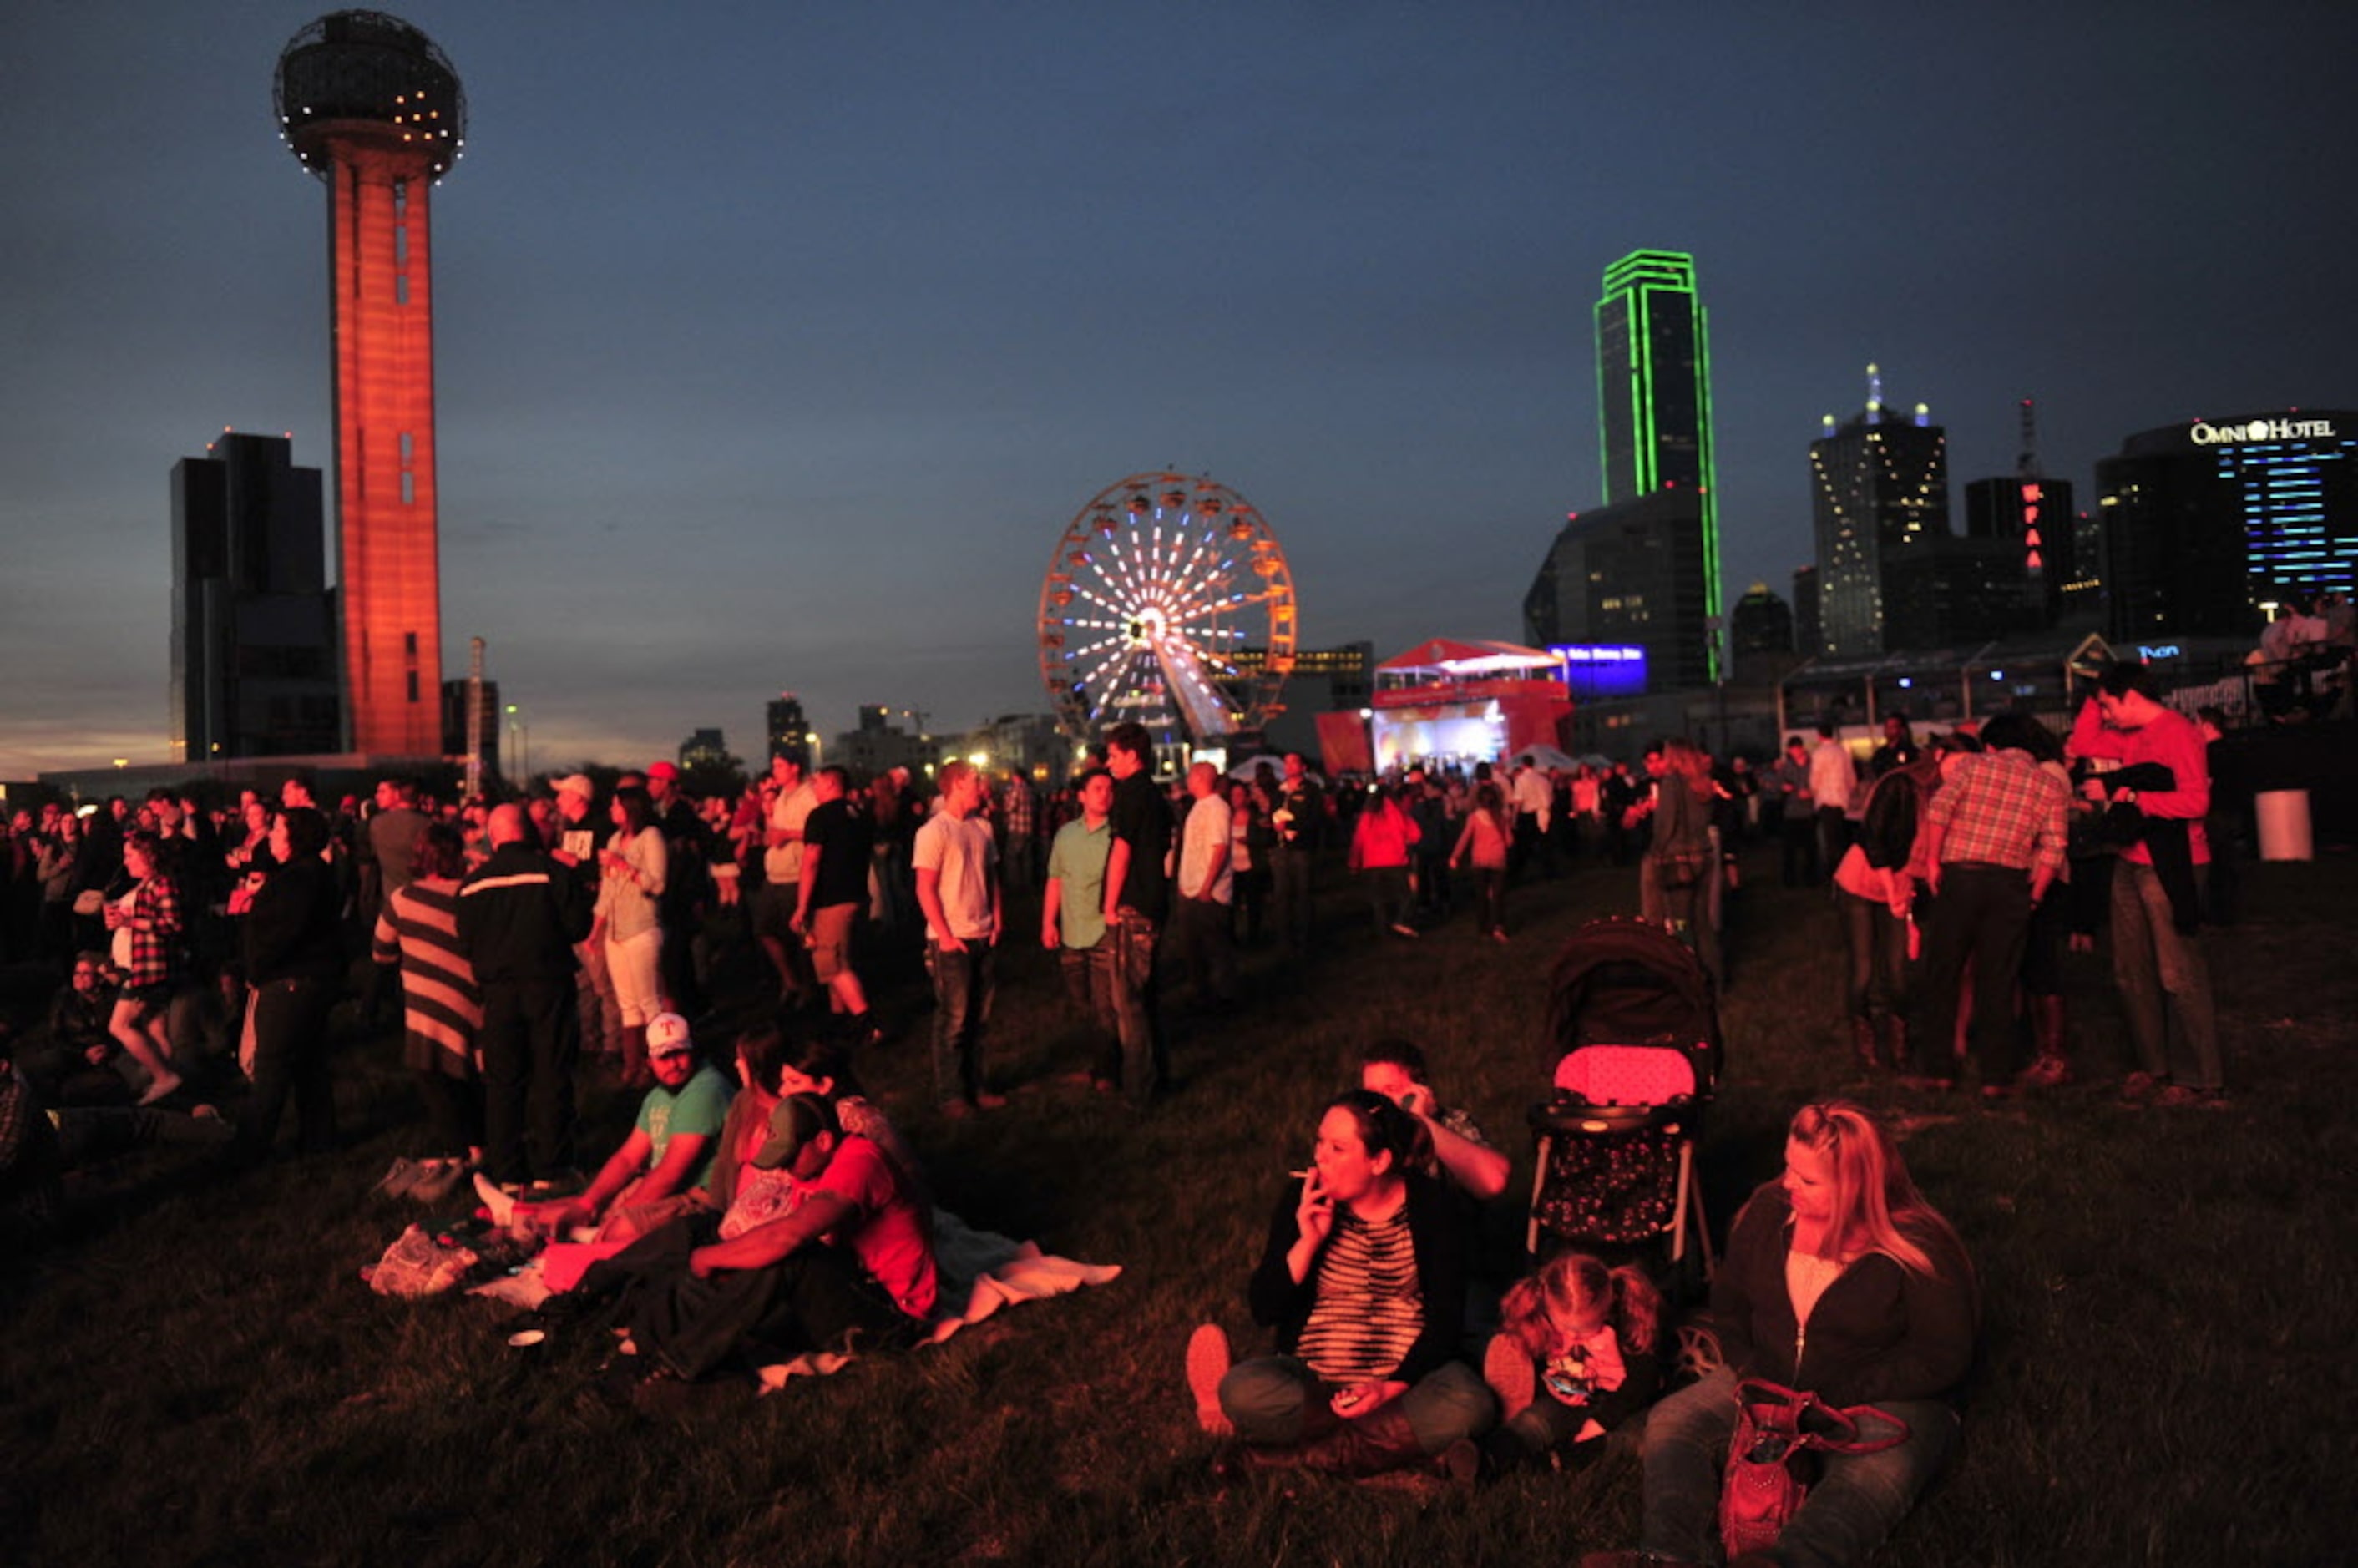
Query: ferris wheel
[{"x": 1168, "y": 601}]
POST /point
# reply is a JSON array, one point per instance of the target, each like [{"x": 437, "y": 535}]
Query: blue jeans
[
  {"x": 963, "y": 983},
  {"x": 1279, "y": 1400},
  {"x": 1856, "y": 1502},
  {"x": 1089, "y": 986},
  {"x": 1137, "y": 1005}
]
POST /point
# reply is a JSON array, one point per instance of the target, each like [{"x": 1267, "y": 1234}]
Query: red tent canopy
[{"x": 1450, "y": 655}]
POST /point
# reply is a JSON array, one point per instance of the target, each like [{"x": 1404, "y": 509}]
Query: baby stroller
[{"x": 1633, "y": 1051}]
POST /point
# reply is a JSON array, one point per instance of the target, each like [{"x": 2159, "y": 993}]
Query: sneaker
[
  {"x": 2142, "y": 1086},
  {"x": 437, "y": 1184},
  {"x": 399, "y": 1178},
  {"x": 1498, "y": 936},
  {"x": 2178, "y": 1096},
  {"x": 162, "y": 1088},
  {"x": 1507, "y": 1367},
  {"x": 1207, "y": 1362},
  {"x": 1399, "y": 928}
]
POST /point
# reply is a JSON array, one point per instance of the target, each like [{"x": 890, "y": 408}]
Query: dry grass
[{"x": 203, "y": 1379}]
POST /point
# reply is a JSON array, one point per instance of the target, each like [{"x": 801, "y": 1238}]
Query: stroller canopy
[{"x": 1620, "y": 981}]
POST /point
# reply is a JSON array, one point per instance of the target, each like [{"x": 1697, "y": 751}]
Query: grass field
[{"x": 201, "y": 1378}]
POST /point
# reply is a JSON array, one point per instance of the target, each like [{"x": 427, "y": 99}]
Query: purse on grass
[{"x": 1773, "y": 1460}]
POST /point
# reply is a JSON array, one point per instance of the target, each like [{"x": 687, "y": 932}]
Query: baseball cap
[
  {"x": 797, "y": 1119},
  {"x": 667, "y": 1035},
  {"x": 663, "y": 770},
  {"x": 576, "y": 784}
]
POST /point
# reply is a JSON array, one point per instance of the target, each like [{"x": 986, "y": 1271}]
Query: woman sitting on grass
[
  {"x": 1364, "y": 1281},
  {"x": 1579, "y": 1355},
  {"x": 1840, "y": 1280}
]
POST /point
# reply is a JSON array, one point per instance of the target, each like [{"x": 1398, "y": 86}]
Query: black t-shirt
[
  {"x": 1306, "y": 823},
  {"x": 1141, "y": 819},
  {"x": 842, "y": 841}
]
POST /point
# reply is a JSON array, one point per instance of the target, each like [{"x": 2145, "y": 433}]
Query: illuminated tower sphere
[{"x": 372, "y": 108}]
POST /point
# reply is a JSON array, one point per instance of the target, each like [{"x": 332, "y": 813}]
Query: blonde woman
[{"x": 1840, "y": 1280}]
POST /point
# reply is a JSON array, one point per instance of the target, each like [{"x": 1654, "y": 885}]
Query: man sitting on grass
[
  {"x": 822, "y": 1249},
  {"x": 1396, "y": 1070},
  {"x": 662, "y": 1167}
]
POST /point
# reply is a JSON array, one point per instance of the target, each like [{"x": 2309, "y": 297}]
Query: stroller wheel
[{"x": 1699, "y": 1355}]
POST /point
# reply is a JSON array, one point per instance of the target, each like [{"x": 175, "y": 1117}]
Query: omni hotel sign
[{"x": 2204, "y": 434}]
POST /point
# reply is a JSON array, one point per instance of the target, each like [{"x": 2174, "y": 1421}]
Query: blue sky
[{"x": 778, "y": 342}]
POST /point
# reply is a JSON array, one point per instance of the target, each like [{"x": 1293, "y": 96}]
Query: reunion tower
[{"x": 372, "y": 107}]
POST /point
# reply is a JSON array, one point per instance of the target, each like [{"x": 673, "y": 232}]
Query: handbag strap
[{"x": 1757, "y": 1396}]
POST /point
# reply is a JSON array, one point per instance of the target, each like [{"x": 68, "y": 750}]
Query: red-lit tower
[{"x": 372, "y": 108}]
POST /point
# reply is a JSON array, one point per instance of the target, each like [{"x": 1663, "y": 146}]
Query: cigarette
[{"x": 1297, "y": 1174}]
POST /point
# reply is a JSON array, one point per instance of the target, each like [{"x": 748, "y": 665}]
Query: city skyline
[{"x": 776, "y": 352}]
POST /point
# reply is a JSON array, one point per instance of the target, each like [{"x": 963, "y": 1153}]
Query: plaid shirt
[
  {"x": 2001, "y": 808},
  {"x": 155, "y": 934},
  {"x": 1017, "y": 809}
]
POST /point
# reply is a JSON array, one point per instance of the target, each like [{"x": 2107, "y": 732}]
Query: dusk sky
[{"x": 777, "y": 343}]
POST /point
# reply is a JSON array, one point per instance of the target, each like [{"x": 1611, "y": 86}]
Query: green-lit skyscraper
[{"x": 1653, "y": 395}]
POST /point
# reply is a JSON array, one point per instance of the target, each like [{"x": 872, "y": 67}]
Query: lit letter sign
[{"x": 2204, "y": 434}]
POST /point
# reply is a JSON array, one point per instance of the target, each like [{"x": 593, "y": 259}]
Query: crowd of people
[{"x": 766, "y": 1207}]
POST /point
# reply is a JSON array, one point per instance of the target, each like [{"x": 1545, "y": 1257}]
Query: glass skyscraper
[
  {"x": 2204, "y": 523},
  {"x": 1653, "y": 397}
]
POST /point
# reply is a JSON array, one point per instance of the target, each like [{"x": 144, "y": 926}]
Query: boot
[
  {"x": 2051, "y": 1067},
  {"x": 1863, "y": 1043},
  {"x": 636, "y": 1074}
]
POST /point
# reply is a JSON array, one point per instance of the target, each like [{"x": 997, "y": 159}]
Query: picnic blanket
[{"x": 980, "y": 1272}]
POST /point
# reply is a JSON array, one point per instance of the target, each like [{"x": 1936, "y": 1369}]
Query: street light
[{"x": 521, "y": 733}]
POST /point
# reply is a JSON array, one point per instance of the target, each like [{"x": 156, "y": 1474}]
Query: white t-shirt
[
  {"x": 960, "y": 851},
  {"x": 1206, "y": 835},
  {"x": 783, "y": 863}
]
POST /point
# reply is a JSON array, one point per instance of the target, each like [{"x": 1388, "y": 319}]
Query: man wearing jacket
[{"x": 519, "y": 917}]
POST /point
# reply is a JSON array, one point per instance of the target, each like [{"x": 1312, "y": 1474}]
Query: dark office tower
[
  {"x": 1629, "y": 574},
  {"x": 2032, "y": 515},
  {"x": 2206, "y": 522},
  {"x": 1653, "y": 401},
  {"x": 254, "y": 626},
  {"x": 1761, "y": 623},
  {"x": 704, "y": 749},
  {"x": 788, "y": 728},
  {"x": 1880, "y": 494},
  {"x": 372, "y": 107},
  {"x": 487, "y": 724},
  {"x": 1809, "y": 627}
]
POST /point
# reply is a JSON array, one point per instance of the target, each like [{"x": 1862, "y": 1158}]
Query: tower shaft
[{"x": 381, "y": 280}]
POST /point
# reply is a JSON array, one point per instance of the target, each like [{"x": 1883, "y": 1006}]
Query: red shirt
[
  {"x": 2176, "y": 742},
  {"x": 886, "y": 1233}
]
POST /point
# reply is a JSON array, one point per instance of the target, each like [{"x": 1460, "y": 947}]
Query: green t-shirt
[
  {"x": 1078, "y": 858},
  {"x": 697, "y": 1109}
]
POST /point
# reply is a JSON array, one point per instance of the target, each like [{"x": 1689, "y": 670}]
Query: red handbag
[{"x": 1773, "y": 1460}]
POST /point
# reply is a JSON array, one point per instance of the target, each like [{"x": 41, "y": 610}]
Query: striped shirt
[
  {"x": 441, "y": 1006},
  {"x": 1370, "y": 1309}
]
